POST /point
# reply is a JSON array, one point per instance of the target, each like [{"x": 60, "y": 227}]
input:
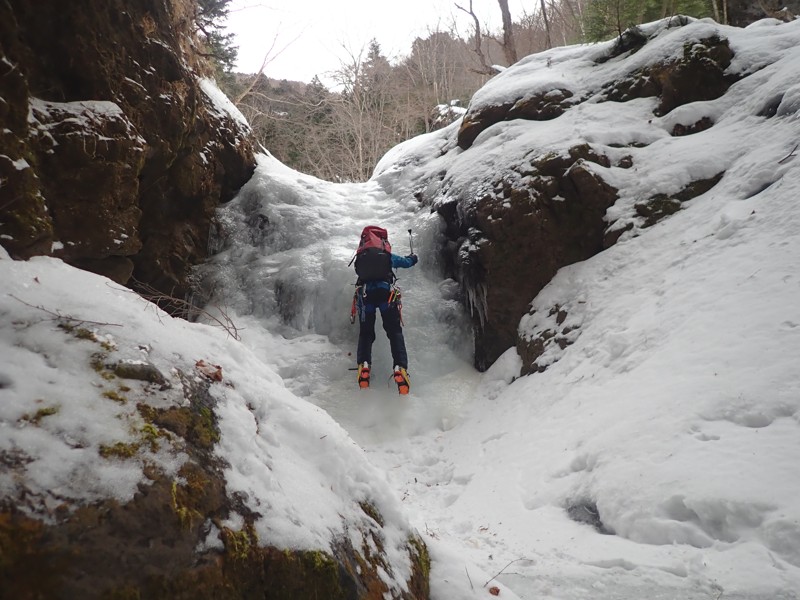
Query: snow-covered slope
[
  {"x": 76, "y": 426},
  {"x": 694, "y": 107}
]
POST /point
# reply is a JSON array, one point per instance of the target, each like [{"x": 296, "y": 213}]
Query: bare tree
[
  {"x": 546, "y": 25},
  {"x": 715, "y": 7},
  {"x": 509, "y": 47},
  {"x": 340, "y": 134},
  {"x": 267, "y": 59},
  {"x": 485, "y": 68},
  {"x": 437, "y": 73}
]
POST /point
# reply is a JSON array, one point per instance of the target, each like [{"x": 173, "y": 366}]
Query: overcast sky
[{"x": 311, "y": 35}]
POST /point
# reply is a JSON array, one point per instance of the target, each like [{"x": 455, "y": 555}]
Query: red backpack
[{"x": 374, "y": 256}]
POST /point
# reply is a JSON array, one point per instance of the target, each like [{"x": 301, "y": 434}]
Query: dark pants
[{"x": 377, "y": 300}]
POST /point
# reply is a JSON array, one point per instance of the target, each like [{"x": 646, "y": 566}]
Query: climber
[{"x": 376, "y": 290}]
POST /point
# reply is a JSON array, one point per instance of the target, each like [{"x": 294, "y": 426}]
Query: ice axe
[{"x": 410, "y": 242}]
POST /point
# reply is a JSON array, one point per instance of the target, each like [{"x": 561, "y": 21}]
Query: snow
[
  {"x": 673, "y": 415},
  {"x": 86, "y": 115},
  {"x": 83, "y": 111},
  {"x": 220, "y": 102},
  {"x": 284, "y": 454}
]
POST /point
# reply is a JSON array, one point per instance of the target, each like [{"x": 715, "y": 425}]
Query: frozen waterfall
[{"x": 285, "y": 244}]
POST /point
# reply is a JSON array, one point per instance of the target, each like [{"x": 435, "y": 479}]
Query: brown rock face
[
  {"x": 505, "y": 246},
  {"x": 511, "y": 242},
  {"x": 742, "y": 13},
  {"x": 698, "y": 75},
  {"x": 539, "y": 107},
  {"x": 91, "y": 156},
  {"x": 124, "y": 158},
  {"x": 660, "y": 206}
]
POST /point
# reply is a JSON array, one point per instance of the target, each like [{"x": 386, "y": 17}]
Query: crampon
[
  {"x": 402, "y": 380},
  {"x": 363, "y": 375}
]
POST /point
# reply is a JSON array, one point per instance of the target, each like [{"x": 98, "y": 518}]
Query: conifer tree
[
  {"x": 608, "y": 18},
  {"x": 210, "y": 16}
]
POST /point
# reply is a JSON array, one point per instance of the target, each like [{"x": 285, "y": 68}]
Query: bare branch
[
  {"x": 501, "y": 571},
  {"x": 790, "y": 155},
  {"x": 486, "y": 68},
  {"x": 268, "y": 58},
  {"x": 10, "y": 202},
  {"x": 57, "y": 316},
  {"x": 174, "y": 305}
]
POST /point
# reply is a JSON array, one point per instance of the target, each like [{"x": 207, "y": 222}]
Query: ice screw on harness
[{"x": 353, "y": 308}]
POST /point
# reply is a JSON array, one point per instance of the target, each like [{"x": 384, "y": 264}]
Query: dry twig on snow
[
  {"x": 501, "y": 571},
  {"x": 790, "y": 155},
  {"x": 57, "y": 316},
  {"x": 173, "y": 305}
]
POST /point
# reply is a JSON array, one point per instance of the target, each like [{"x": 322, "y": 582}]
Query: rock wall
[
  {"x": 112, "y": 157},
  {"x": 512, "y": 241},
  {"x": 550, "y": 211},
  {"x": 742, "y": 13}
]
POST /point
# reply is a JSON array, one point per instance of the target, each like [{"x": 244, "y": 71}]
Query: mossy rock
[
  {"x": 139, "y": 371},
  {"x": 26, "y": 228},
  {"x": 631, "y": 40},
  {"x": 698, "y": 75},
  {"x": 657, "y": 207}
]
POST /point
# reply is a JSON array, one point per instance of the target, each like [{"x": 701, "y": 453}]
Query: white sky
[{"x": 314, "y": 33}]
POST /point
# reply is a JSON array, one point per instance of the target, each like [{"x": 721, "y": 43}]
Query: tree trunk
[
  {"x": 548, "y": 39},
  {"x": 509, "y": 47},
  {"x": 486, "y": 68}
]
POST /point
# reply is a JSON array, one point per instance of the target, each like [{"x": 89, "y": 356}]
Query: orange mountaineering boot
[
  {"x": 402, "y": 380},
  {"x": 363, "y": 375}
]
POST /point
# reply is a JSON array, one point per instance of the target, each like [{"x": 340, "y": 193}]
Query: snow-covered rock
[
  {"x": 144, "y": 454},
  {"x": 570, "y": 150}
]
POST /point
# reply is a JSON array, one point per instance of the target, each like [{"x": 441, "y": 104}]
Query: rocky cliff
[
  {"x": 510, "y": 241},
  {"x": 567, "y": 152},
  {"x": 114, "y": 150}
]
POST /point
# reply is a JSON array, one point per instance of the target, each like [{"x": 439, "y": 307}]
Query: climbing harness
[{"x": 358, "y": 306}]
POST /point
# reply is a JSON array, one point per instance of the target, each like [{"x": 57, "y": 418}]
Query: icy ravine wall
[
  {"x": 563, "y": 153},
  {"x": 286, "y": 242},
  {"x": 114, "y": 151}
]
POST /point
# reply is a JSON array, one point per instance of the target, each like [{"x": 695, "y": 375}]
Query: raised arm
[{"x": 404, "y": 262}]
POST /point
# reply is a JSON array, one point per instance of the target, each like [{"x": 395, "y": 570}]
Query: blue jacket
[
  {"x": 403, "y": 262},
  {"x": 398, "y": 262}
]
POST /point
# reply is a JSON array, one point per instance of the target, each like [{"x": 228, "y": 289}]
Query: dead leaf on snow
[{"x": 213, "y": 372}]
